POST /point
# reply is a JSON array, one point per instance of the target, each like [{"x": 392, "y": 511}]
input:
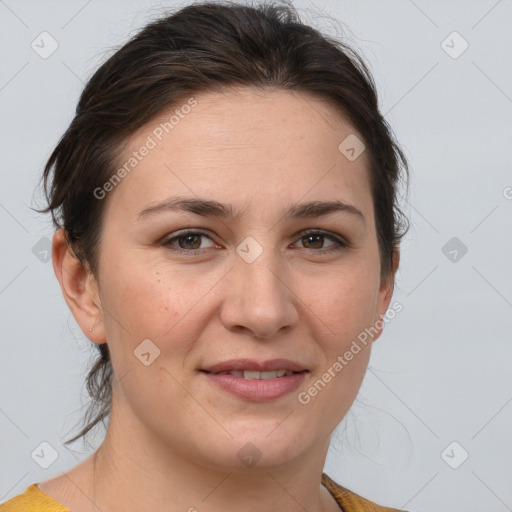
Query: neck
[{"x": 133, "y": 476}]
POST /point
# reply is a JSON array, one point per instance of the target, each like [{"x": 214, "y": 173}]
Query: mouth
[
  {"x": 252, "y": 369},
  {"x": 257, "y": 381},
  {"x": 257, "y": 375}
]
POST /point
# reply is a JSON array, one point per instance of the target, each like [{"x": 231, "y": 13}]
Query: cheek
[
  {"x": 167, "y": 306},
  {"x": 149, "y": 300},
  {"x": 348, "y": 308},
  {"x": 344, "y": 304}
]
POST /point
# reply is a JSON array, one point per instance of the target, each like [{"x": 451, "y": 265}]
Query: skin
[{"x": 173, "y": 437}]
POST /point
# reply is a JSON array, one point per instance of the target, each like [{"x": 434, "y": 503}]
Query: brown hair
[{"x": 203, "y": 47}]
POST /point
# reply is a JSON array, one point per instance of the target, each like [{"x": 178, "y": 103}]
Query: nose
[{"x": 259, "y": 298}]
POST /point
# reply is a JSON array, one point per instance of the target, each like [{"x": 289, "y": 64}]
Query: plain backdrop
[{"x": 431, "y": 427}]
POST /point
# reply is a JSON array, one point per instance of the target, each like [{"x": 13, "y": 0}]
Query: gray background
[{"x": 441, "y": 371}]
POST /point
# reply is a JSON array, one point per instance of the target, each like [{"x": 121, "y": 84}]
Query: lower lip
[{"x": 258, "y": 390}]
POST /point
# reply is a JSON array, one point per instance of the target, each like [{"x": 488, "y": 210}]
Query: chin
[{"x": 258, "y": 444}]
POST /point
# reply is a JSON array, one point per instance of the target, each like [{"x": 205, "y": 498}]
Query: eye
[
  {"x": 188, "y": 241},
  {"x": 315, "y": 240}
]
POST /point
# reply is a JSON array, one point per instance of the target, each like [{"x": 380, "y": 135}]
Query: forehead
[{"x": 241, "y": 141}]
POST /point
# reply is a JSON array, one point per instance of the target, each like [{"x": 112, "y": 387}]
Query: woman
[{"x": 227, "y": 228}]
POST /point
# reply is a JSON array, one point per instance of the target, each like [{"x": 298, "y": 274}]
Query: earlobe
[{"x": 79, "y": 288}]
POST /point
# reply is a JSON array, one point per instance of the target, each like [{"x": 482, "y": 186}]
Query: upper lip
[{"x": 250, "y": 364}]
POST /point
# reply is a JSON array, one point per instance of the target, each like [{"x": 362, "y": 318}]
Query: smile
[
  {"x": 256, "y": 375},
  {"x": 257, "y": 386}
]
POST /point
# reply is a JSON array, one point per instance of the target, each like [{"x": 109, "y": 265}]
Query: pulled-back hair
[{"x": 204, "y": 47}]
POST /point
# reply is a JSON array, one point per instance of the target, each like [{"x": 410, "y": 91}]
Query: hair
[{"x": 208, "y": 46}]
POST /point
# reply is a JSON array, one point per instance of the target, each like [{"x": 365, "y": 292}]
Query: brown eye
[
  {"x": 314, "y": 241},
  {"x": 187, "y": 241}
]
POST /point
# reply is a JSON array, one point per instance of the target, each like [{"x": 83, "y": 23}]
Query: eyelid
[
  {"x": 340, "y": 242},
  {"x": 327, "y": 234},
  {"x": 184, "y": 232}
]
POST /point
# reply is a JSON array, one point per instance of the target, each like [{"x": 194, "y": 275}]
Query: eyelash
[{"x": 341, "y": 243}]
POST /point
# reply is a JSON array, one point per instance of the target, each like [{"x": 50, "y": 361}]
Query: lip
[
  {"x": 250, "y": 364},
  {"x": 257, "y": 390}
]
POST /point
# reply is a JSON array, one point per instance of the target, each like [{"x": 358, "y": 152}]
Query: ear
[
  {"x": 79, "y": 288},
  {"x": 384, "y": 295}
]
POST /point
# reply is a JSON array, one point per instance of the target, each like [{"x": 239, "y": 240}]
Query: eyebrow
[{"x": 211, "y": 208}]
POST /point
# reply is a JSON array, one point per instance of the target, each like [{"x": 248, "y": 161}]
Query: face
[{"x": 257, "y": 279}]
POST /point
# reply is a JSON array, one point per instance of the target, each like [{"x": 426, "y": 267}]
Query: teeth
[
  {"x": 236, "y": 373},
  {"x": 252, "y": 375},
  {"x": 255, "y": 375}
]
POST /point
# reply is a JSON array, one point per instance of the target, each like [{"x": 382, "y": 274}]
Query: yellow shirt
[{"x": 35, "y": 500}]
